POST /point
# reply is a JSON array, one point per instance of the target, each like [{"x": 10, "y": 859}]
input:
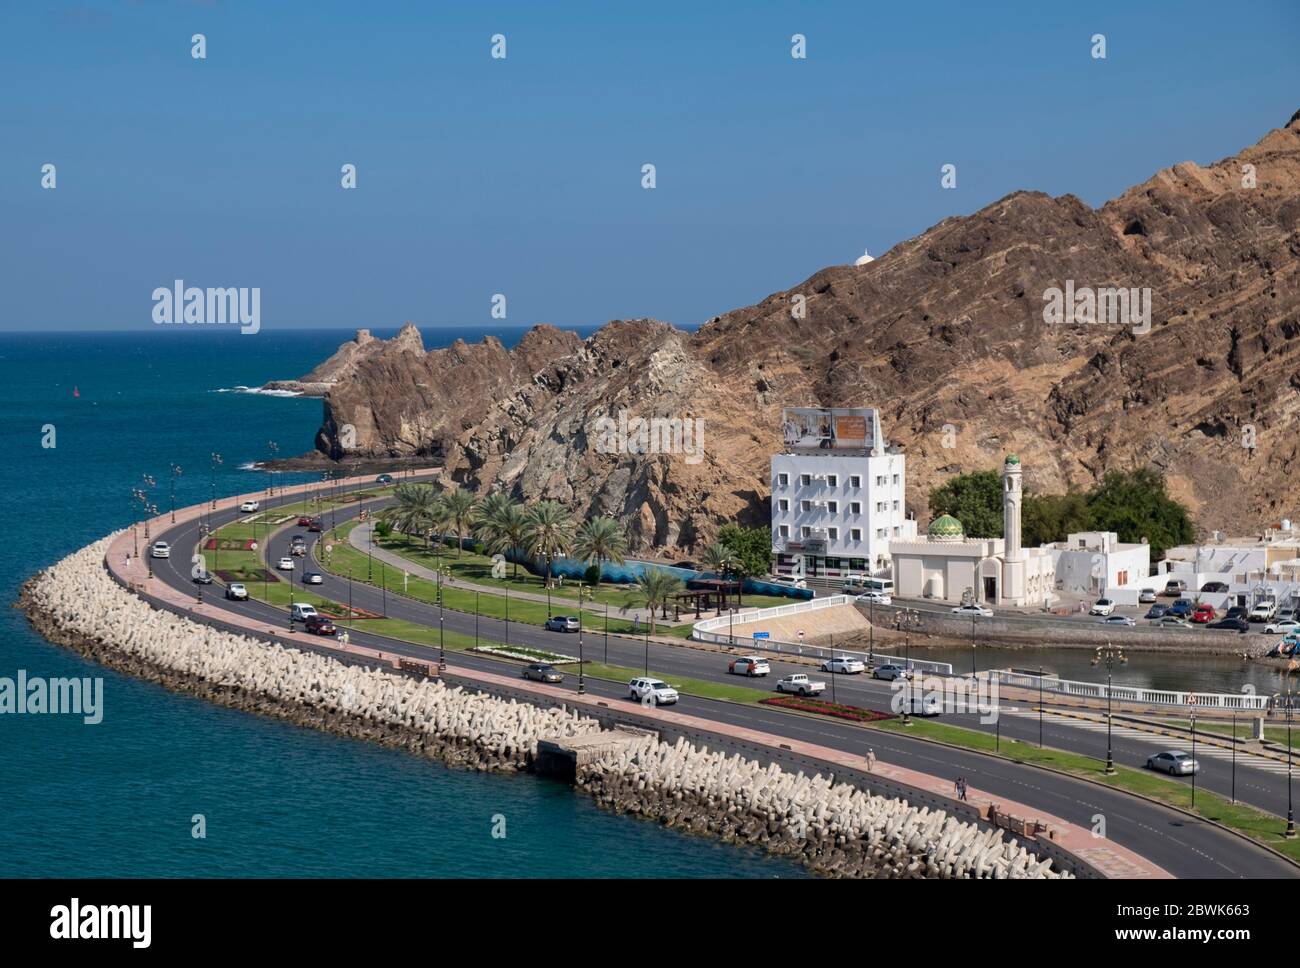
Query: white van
[
  {"x": 877, "y": 590},
  {"x": 789, "y": 581},
  {"x": 302, "y": 611}
]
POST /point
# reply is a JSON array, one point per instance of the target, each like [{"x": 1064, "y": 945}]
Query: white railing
[
  {"x": 1230, "y": 701},
  {"x": 718, "y": 630}
]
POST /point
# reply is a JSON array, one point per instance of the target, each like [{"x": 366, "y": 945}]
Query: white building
[
  {"x": 837, "y": 495},
  {"x": 947, "y": 565},
  {"x": 1235, "y": 571},
  {"x": 1097, "y": 563}
]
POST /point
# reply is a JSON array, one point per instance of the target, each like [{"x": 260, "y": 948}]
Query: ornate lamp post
[
  {"x": 176, "y": 472},
  {"x": 216, "y": 461},
  {"x": 907, "y": 619},
  {"x": 1109, "y": 654},
  {"x": 1289, "y": 697},
  {"x": 270, "y": 477}
]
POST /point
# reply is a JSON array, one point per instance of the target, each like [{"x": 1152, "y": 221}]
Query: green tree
[
  {"x": 417, "y": 509},
  {"x": 459, "y": 507},
  {"x": 1135, "y": 505},
  {"x": 599, "y": 540},
  {"x": 501, "y": 526},
  {"x": 654, "y": 589},
  {"x": 549, "y": 533},
  {"x": 752, "y": 546},
  {"x": 1050, "y": 517},
  {"x": 973, "y": 499}
]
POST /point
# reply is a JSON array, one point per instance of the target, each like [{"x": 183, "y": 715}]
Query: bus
[{"x": 882, "y": 589}]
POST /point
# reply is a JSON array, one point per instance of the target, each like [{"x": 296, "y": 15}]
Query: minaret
[{"x": 1013, "y": 567}]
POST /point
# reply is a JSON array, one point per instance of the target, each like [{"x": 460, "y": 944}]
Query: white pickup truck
[
  {"x": 1264, "y": 611},
  {"x": 799, "y": 684}
]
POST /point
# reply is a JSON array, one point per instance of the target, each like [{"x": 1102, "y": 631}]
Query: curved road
[{"x": 1184, "y": 846}]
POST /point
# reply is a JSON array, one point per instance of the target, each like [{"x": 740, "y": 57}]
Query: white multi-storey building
[{"x": 837, "y": 495}]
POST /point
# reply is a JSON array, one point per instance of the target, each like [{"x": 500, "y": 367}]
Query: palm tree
[
  {"x": 416, "y": 507},
  {"x": 721, "y": 560},
  {"x": 655, "y": 588},
  {"x": 599, "y": 540},
  {"x": 548, "y": 533},
  {"x": 459, "y": 506},
  {"x": 501, "y": 527}
]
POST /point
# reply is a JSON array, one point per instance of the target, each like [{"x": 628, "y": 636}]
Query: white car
[
  {"x": 923, "y": 705},
  {"x": 1146, "y": 596},
  {"x": 1118, "y": 620},
  {"x": 787, "y": 580},
  {"x": 1102, "y": 606},
  {"x": 248, "y": 506},
  {"x": 1282, "y": 625},
  {"x": 302, "y": 611},
  {"x": 160, "y": 549},
  {"x": 313, "y": 578},
  {"x": 749, "y": 665},
  {"x": 652, "y": 692},
  {"x": 875, "y": 598},
  {"x": 800, "y": 684},
  {"x": 843, "y": 665},
  {"x": 973, "y": 610},
  {"x": 1173, "y": 762},
  {"x": 286, "y": 564},
  {"x": 236, "y": 592}
]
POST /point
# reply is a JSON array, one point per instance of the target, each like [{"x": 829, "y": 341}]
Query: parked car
[
  {"x": 1102, "y": 606},
  {"x": 563, "y": 623},
  {"x": 319, "y": 625},
  {"x": 889, "y": 672},
  {"x": 1280, "y": 626},
  {"x": 313, "y": 578},
  {"x": 235, "y": 591},
  {"x": 1204, "y": 613},
  {"x": 1182, "y": 608},
  {"x": 787, "y": 581},
  {"x": 1286, "y": 613},
  {"x": 160, "y": 549},
  {"x": 203, "y": 579},
  {"x": 1264, "y": 611},
  {"x": 1172, "y": 622},
  {"x": 1230, "y": 624},
  {"x": 1174, "y": 587},
  {"x": 656, "y": 692},
  {"x": 1117, "y": 620},
  {"x": 1173, "y": 762},
  {"x": 304, "y": 521},
  {"x": 844, "y": 665},
  {"x": 1238, "y": 611},
  {"x": 1146, "y": 596},
  {"x": 1155, "y": 611},
  {"x": 248, "y": 506},
  {"x": 799, "y": 683},
  {"x": 302, "y": 611},
  {"x": 384, "y": 479},
  {"x": 972, "y": 609},
  {"x": 542, "y": 672},
  {"x": 285, "y": 564},
  {"x": 749, "y": 665},
  {"x": 1214, "y": 586}
]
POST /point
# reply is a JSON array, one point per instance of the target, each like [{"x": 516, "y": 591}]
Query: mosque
[{"x": 949, "y": 566}]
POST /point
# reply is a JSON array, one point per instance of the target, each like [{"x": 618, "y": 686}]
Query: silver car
[
  {"x": 1173, "y": 762},
  {"x": 563, "y": 623}
]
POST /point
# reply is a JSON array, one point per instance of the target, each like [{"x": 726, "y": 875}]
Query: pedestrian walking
[
  {"x": 956, "y": 788},
  {"x": 961, "y": 783},
  {"x": 871, "y": 760}
]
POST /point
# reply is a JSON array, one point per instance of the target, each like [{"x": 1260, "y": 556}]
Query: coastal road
[{"x": 1184, "y": 846}]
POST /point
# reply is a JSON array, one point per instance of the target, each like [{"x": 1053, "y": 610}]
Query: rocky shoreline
[{"x": 833, "y": 828}]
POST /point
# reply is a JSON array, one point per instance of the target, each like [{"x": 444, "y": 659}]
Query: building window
[
  {"x": 833, "y": 507},
  {"x": 880, "y": 505},
  {"x": 855, "y": 507},
  {"x": 895, "y": 479},
  {"x": 832, "y": 480},
  {"x": 880, "y": 480},
  {"x": 858, "y": 564},
  {"x": 785, "y": 530},
  {"x": 856, "y": 535},
  {"x": 784, "y": 504},
  {"x": 832, "y": 562},
  {"x": 805, "y": 531},
  {"x": 805, "y": 505},
  {"x": 882, "y": 532},
  {"x": 834, "y": 535},
  {"x": 805, "y": 479},
  {"x": 895, "y": 505},
  {"x": 855, "y": 480},
  {"x": 896, "y": 530},
  {"x": 783, "y": 480}
]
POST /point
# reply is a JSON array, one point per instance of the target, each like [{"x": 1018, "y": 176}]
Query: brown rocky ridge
[{"x": 944, "y": 330}]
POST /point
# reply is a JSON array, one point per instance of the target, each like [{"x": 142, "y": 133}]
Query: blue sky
[{"x": 523, "y": 176}]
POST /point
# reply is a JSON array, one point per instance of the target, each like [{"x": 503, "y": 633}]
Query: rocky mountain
[{"x": 950, "y": 334}]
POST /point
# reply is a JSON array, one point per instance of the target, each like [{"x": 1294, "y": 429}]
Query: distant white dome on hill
[{"x": 864, "y": 258}]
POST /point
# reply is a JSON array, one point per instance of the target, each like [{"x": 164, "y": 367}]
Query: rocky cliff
[{"x": 946, "y": 333}]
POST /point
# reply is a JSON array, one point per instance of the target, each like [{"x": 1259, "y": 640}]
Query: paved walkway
[{"x": 361, "y": 539}]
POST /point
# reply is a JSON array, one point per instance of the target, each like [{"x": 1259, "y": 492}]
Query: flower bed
[
  {"x": 836, "y": 709},
  {"x": 528, "y": 655}
]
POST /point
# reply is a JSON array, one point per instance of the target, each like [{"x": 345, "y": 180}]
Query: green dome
[
  {"x": 1011, "y": 459},
  {"x": 946, "y": 526}
]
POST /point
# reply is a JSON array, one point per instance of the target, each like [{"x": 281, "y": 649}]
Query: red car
[
  {"x": 1203, "y": 614},
  {"x": 304, "y": 522},
  {"x": 313, "y": 525},
  {"x": 319, "y": 625}
]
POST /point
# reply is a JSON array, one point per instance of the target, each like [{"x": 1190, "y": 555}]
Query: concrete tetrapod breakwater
[{"x": 833, "y": 828}]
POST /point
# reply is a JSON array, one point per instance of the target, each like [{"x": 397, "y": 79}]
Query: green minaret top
[
  {"x": 1011, "y": 459},
  {"x": 946, "y": 526}
]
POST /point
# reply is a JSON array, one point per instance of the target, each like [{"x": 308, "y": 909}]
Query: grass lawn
[
  {"x": 1256, "y": 824},
  {"x": 687, "y": 687},
  {"x": 1274, "y": 734}
]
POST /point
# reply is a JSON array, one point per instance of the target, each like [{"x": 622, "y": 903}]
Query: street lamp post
[
  {"x": 176, "y": 472},
  {"x": 1110, "y": 655},
  {"x": 582, "y": 685},
  {"x": 216, "y": 461},
  {"x": 270, "y": 478},
  {"x": 1040, "y": 707},
  {"x": 1195, "y": 766},
  {"x": 1289, "y": 696},
  {"x": 972, "y": 645}
]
